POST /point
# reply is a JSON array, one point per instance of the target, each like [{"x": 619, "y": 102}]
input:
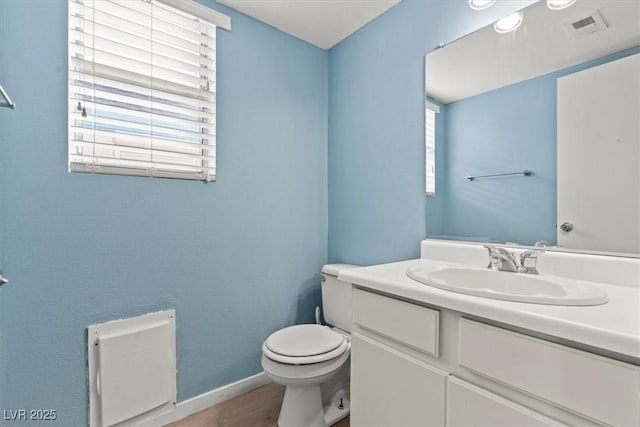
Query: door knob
[
  {"x": 2, "y": 280},
  {"x": 566, "y": 227}
]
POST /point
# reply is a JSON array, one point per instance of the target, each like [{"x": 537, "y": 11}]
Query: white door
[
  {"x": 599, "y": 157},
  {"x": 390, "y": 388}
]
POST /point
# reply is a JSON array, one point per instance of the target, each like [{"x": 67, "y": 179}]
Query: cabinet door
[
  {"x": 390, "y": 388},
  {"x": 468, "y": 405}
]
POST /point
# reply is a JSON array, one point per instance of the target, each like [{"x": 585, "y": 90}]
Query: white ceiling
[{"x": 323, "y": 23}]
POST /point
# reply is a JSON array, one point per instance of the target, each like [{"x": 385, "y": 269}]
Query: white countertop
[{"x": 614, "y": 326}]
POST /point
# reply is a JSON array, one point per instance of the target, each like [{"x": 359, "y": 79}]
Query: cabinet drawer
[
  {"x": 468, "y": 405},
  {"x": 603, "y": 389},
  {"x": 407, "y": 323}
]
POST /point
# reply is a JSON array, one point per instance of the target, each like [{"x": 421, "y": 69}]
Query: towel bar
[
  {"x": 7, "y": 101},
  {"x": 525, "y": 172}
]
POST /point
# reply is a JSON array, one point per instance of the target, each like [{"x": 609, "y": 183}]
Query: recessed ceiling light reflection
[
  {"x": 481, "y": 4},
  {"x": 559, "y": 4},
  {"x": 508, "y": 23}
]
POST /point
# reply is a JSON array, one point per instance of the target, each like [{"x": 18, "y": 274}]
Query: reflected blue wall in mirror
[{"x": 493, "y": 133}]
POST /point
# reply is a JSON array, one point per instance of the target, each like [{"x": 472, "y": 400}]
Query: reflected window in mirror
[{"x": 430, "y": 147}]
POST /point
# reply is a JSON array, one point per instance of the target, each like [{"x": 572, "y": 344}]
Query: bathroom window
[
  {"x": 430, "y": 147},
  {"x": 142, "y": 88}
]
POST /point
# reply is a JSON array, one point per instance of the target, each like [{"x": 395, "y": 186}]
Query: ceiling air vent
[{"x": 586, "y": 25}]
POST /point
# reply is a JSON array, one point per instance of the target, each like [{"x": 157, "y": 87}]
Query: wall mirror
[{"x": 532, "y": 134}]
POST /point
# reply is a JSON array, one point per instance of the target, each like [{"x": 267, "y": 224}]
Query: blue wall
[
  {"x": 376, "y": 127},
  {"x": 235, "y": 258},
  {"x": 507, "y": 129}
]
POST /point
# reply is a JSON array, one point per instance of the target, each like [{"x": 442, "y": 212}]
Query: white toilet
[{"x": 312, "y": 361}]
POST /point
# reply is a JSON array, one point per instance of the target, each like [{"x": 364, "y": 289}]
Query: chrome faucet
[{"x": 502, "y": 260}]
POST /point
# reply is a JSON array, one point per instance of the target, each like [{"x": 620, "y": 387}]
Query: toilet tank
[{"x": 336, "y": 297}]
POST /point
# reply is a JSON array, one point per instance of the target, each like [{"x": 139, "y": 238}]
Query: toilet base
[
  {"x": 302, "y": 406},
  {"x": 333, "y": 413}
]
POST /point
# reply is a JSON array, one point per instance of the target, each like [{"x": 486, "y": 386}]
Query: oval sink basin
[{"x": 519, "y": 287}]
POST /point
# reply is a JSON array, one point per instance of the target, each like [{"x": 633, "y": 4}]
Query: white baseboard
[{"x": 206, "y": 400}]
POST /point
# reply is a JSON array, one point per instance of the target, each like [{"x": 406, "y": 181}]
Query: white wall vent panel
[{"x": 132, "y": 369}]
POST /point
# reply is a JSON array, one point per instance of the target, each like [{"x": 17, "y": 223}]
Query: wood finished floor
[{"x": 257, "y": 408}]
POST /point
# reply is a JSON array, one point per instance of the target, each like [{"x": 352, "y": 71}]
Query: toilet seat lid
[{"x": 304, "y": 340}]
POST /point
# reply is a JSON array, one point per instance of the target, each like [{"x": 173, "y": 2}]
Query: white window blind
[
  {"x": 142, "y": 89},
  {"x": 430, "y": 147}
]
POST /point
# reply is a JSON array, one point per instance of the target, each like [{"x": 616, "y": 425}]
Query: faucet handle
[
  {"x": 529, "y": 260},
  {"x": 490, "y": 248},
  {"x": 497, "y": 257},
  {"x": 494, "y": 249},
  {"x": 494, "y": 259},
  {"x": 530, "y": 254}
]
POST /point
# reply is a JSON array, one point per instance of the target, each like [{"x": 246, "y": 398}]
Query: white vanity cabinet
[
  {"x": 390, "y": 388},
  {"x": 414, "y": 365}
]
